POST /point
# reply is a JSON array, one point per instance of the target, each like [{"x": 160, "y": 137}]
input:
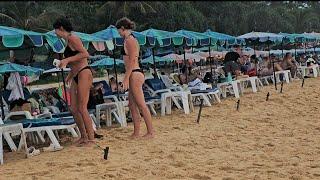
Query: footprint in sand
[
  {"x": 202, "y": 177},
  {"x": 86, "y": 164},
  {"x": 178, "y": 164}
]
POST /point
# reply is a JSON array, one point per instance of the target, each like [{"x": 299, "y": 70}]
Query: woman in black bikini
[
  {"x": 80, "y": 77},
  {"x": 134, "y": 78}
]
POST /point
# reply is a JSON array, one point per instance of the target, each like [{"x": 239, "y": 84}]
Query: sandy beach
[{"x": 277, "y": 139}]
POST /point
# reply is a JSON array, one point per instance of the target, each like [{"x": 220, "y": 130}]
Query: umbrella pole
[
  {"x": 64, "y": 87},
  {"x": 212, "y": 76},
  {"x": 2, "y": 108},
  {"x": 115, "y": 72},
  {"x": 295, "y": 51},
  {"x": 305, "y": 48},
  {"x": 64, "y": 83},
  {"x": 154, "y": 65},
  {"x": 282, "y": 49},
  {"x": 274, "y": 72},
  {"x": 185, "y": 63}
]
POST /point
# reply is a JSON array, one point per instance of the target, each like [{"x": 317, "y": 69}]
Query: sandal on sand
[
  {"x": 52, "y": 148},
  {"x": 33, "y": 152}
]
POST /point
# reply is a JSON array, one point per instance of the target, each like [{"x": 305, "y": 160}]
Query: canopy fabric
[
  {"x": 157, "y": 59},
  {"x": 190, "y": 56},
  {"x": 313, "y": 35},
  {"x": 106, "y": 62},
  {"x": 301, "y": 38},
  {"x": 13, "y": 37},
  {"x": 175, "y": 57},
  {"x": 166, "y": 38},
  {"x": 58, "y": 44},
  {"x": 261, "y": 37},
  {"x": 199, "y": 39},
  {"x": 12, "y": 67},
  {"x": 111, "y": 33},
  {"x": 223, "y": 38}
]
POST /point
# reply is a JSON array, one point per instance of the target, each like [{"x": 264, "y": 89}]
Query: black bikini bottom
[
  {"x": 76, "y": 78},
  {"x": 138, "y": 70}
]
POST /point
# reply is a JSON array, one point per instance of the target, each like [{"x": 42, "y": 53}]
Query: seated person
[
  {"x": 244, "y": 64},
  {"x": 302, "y": 59},
  {"x": 266, "y": 68},
  {"x": 95, "y": 97},
  {"x": 231, "y": 65},
  {"x": 113, "y": 85},
  {"x": 208, "y": 78},
  {"x": 310, "y": 62},
  {"x": 188, "y": 74},
  {"x": 288, "y": 64}
]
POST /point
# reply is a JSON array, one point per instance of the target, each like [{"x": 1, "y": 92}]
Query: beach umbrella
[
  {"x": 58, "y": 44},
  {"x": 12, "y": 67},
  {"x": 111, "y": 33},
  {"x": 157, "y": 59},
  {"x": 166, "y": 39},
  {"x": 14, "y": 37},
  {"x": 224, "y": 38},
  {"x": 298, "y": 38},
  {"x": 198, "y": 40},
  {"x": 106, "y": 62},
  {"x": 263, "y": 37}
]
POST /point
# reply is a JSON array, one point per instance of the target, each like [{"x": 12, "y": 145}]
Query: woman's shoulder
[{"x": 73, "y": 38}]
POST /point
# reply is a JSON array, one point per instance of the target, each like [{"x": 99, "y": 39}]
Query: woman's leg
[
  {"x": 76, "y": 114},
  {"x": 134, "y": 114},
  {"x": 136, "y": 82},
  {"x": 85, "y": 82}
]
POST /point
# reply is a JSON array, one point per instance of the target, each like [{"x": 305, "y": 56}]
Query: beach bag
[{"x": 252, "y": 72}]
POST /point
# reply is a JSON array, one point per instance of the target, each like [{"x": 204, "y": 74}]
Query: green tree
[{"x": 27, "y": 15}]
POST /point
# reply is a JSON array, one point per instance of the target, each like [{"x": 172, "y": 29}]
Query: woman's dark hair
[
  {"x": 231, "y": 56},
  {"x": 287, "y": 54},
  {"x": 125, "y": 23},
  {"x": 63, "y": 22}
]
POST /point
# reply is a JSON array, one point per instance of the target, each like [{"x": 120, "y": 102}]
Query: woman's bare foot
[
  {"x": 87, "y": 143},
  {"x": 134, "y": 136},
  {"x": 148, "y": 136},
  {"x": 79, "y": 141}
]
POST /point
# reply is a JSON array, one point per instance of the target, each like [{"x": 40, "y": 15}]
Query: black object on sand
[
  {"x": 302, "y": 82},
  {"x": 201, "y": 104},
  {"x": 268, "y": 96},
  {"x": 281, "y": 87},
  {"x": 106, "y": 151},
  {"x": 238, "y": 104}
]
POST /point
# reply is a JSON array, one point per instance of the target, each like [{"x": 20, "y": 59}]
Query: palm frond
[
  {"x": 150, "y": 8},
  {"x": 4, "y": 16}
]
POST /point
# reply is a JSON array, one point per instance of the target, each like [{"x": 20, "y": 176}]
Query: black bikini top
[
  {"x": 68, "y": 52},
  {"x": 123, "y": 52}
]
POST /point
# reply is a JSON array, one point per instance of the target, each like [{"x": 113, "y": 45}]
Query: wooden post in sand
[
  {"x": 201, "y": 104},
  {"x": 302, "y": 82},
  {"x": 238, "y": 104}
]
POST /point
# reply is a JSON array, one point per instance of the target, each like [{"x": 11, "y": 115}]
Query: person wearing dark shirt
[{"x": 230, "y": 63}]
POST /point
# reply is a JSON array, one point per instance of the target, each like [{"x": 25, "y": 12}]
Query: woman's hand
[
  {"x": 63, "y": 64},
  {"x": 125, "y": 84}
]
